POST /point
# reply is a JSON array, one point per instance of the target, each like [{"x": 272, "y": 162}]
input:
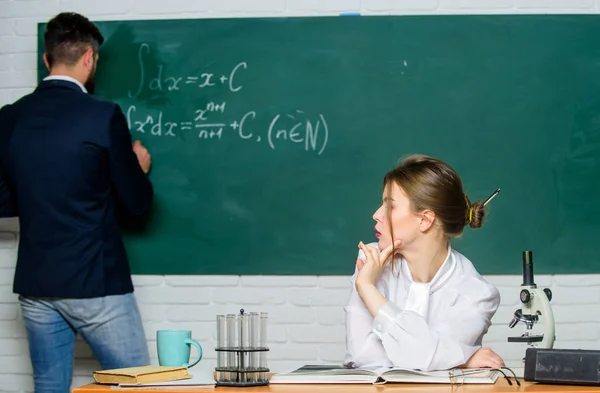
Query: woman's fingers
[
  {"x": 359, "y": 264},
  {"x": 385, "y": 254},
  {"x": 485, "y": 357},
  {"x": 498, "y": 360},
  {"x": 370, "y": 253},
  {"x": 492, "y": 359}
]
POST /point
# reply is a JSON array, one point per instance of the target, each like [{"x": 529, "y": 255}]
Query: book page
[
  {"x": 457, "y": 375},
  {"x": 326, "y": 374},
  {"x": 328, "y": 369}
]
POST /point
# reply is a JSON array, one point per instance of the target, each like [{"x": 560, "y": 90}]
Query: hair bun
[{"x": 476, "y": 215}]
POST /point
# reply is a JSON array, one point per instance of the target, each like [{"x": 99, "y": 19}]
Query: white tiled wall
[{"x": 307, "y": 320}]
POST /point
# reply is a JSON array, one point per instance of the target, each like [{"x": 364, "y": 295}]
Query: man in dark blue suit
[{"x": 67, "y": 164}]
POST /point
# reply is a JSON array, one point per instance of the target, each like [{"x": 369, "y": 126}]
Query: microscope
[
  {"x": 535, "y": 304},
  {"x": 543, "y": 363}
]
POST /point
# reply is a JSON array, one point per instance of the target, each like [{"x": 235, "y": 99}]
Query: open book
[{"x": 340, "y": 374}]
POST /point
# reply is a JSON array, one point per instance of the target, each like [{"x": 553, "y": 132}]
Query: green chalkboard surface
[{"x": 270, "y": 136}]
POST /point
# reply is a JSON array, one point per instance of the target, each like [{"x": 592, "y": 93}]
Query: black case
[{"x": 562, "y": 366}]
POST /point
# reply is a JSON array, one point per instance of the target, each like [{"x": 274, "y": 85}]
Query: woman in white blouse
[{"x": 417, "y": 303}]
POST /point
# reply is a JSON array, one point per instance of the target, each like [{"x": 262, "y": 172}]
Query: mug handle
[{"x": 198, "y": 347}]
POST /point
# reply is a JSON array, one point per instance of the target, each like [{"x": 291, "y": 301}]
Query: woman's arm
[
  {"x": 410, "y": 342},
  {"x": 363, "y": 346},
  {"x": 406, "y": 338}
]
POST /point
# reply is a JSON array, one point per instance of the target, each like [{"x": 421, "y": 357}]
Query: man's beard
[{"x": 90, "y": 84}]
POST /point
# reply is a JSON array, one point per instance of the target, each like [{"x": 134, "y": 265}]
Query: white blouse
[{"x": 427, "y": 326}]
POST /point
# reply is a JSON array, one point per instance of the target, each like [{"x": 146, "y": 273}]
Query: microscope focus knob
[
  {"x": 548, "y": 293},
  {"x": 525, "y": 296}
]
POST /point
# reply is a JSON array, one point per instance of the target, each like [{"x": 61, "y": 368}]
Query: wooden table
[{"x": 499, "y": 386}]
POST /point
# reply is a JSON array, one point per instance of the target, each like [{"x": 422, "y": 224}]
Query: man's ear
[
  {"x": 427, "y": 220},
  {"x": 45, "y": 57},
  {"x": 88, "y": 58}
]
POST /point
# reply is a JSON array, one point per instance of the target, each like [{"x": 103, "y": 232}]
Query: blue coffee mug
[{"x": 174, "y": 348}]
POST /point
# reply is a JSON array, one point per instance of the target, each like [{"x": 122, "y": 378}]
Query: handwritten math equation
[{"x": 207, "y": 124}]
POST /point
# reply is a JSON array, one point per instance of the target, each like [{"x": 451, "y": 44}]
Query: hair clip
[{"x": 491, "y": 197}]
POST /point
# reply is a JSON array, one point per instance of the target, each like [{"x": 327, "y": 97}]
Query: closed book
[{"x": 143, "y": 374}]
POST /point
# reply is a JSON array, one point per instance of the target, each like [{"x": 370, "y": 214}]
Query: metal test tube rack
[{"x": 241, "y": 350}]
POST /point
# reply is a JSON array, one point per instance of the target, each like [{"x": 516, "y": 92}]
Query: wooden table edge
[{"x": 500, "y": 386}]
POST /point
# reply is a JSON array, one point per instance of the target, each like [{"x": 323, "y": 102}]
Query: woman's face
[{"x": 396, "y": 208}]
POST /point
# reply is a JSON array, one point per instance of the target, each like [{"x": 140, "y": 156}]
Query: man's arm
[
  {"x": 7, "y": 204},
  {"x": 134, "y": 190}
]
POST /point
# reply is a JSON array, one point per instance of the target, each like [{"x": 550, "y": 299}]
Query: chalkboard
[{"x": 270, "y": 136}]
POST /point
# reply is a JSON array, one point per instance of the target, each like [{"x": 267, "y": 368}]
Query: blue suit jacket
[{"x": 66, "y": 167}]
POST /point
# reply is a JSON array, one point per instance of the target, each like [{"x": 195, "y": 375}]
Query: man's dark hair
[{"x": 68, "y": 35}]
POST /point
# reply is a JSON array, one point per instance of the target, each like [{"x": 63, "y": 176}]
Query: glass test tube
[
  {"x": 231, "y": 360},
  {"x": 243, "y": 324},
  {"x": 221, "y": 343},
  {"x": 263, "y": 343},
  {"x": 254, "y": 335}
]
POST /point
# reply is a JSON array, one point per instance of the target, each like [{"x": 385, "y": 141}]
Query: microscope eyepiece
[{"x": 528, "y": 268}]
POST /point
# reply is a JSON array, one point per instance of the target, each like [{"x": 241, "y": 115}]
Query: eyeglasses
[{"x": 457, "y": 373}]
